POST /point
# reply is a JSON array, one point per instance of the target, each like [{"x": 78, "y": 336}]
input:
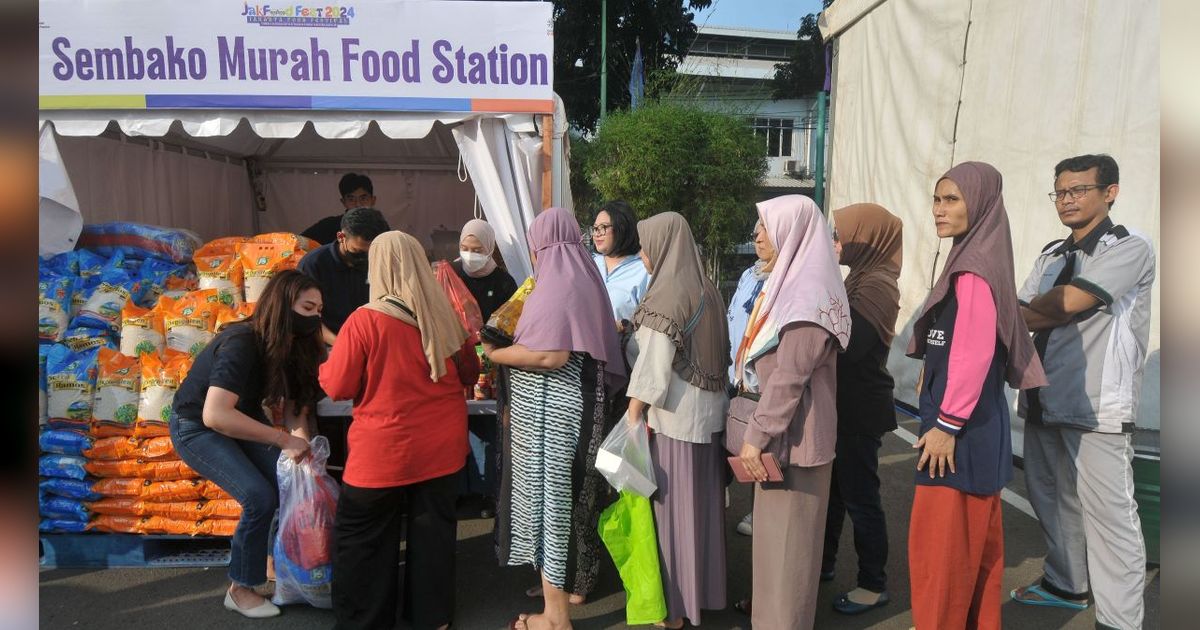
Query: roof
[
  {"x": 727, "y": 67},
  {"x": 748, "y": 33},
  {"x": 786, "y": 182}
]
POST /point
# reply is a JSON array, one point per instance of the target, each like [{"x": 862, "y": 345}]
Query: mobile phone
[{"x": 774, "y": 473}]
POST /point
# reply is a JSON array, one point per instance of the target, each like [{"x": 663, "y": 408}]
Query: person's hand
[
  {"x": 938, "y": 453},
  {"x": 488, "y": 349},
  {"x": 751, "y": 457},
  {"x": 620, "y": 326},
  {"x": 293, "y": 446}
]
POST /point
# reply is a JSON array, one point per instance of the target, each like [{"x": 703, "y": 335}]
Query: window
[{"x": 777, "y": 133}]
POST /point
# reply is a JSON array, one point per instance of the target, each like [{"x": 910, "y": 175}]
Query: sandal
[
  {"x": 1035, "y": 595},
  {"x": 846, "y": 606},
  {"x": 535, "y": 592},
  {"x": 742, "y": 606}
]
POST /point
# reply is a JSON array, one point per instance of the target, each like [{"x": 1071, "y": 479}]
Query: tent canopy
[{"x": 221, "y": 172}]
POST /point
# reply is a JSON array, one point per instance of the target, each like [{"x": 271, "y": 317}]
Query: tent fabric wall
[
  {"x": 59, "y": 220},
  {"x": 127, "y": 181},
  {"x": 1042, "y": 80}
]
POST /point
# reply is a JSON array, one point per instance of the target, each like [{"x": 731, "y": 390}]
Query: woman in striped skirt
[{"x": 565, "y": 355}]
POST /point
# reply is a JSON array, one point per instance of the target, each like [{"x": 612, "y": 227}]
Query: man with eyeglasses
[
  {"x": 1087, "y": 302},
  {"x": 356, "y": 192}
]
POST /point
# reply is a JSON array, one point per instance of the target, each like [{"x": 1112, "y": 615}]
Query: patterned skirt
[{"x": 550, "y": 494}]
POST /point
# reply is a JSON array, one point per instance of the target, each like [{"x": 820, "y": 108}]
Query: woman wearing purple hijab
[{"x": 565, "y": 350}]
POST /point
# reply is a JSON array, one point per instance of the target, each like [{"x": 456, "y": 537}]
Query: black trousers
[
  {"x": 855, "y": 491},
  {"x": 335, "y": 429},
  {"x": 369, "y": 528}
]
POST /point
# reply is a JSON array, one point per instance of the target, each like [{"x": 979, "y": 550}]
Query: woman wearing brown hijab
[
  {"x": 868, "y": 239},
  {"x": 972, "y": 338},
  {"x": 678, "y": 385}
]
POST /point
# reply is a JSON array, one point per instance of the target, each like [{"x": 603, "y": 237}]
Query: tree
[
  {"x": 666, "y": 31},
  {"x": 804, "y": 73},
  {"x": 701, "y": 164}
]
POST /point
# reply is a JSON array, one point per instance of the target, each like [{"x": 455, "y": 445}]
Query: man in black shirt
[
  {"x": 341, "y": 267},
  {"x": 356, "y": 192}
]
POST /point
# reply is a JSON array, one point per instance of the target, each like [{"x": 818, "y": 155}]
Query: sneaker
[{"x": 746, "y": 526}]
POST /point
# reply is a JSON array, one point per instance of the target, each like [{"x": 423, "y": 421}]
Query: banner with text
[{"x": 390, "y": 55}]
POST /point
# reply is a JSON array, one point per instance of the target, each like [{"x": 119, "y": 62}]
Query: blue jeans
[
  {"x": 479, "y": 476},
  {"x": 246, "y": 470}
]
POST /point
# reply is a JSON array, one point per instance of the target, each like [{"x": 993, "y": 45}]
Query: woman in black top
[
  {"x": 488, "y": 283},
  {"x": 868, "y": 239},
  {"x": 220, "y": 428}
]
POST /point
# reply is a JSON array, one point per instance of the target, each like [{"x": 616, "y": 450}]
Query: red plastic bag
[
  {"x": 461, "y": 299},
  {"x": 303, "y": 549}
]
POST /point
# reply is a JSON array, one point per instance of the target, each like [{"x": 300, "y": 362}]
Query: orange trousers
[{"x": 955, "y": 559}]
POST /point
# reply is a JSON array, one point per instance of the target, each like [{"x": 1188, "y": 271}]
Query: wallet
[{"x": 774, "y": 473}]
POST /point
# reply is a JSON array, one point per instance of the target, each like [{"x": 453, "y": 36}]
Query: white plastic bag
[
  {"x": 624, "y": 458},
  {"x": 304, "y": 545}
]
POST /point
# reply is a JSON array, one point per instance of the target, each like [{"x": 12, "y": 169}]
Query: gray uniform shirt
[{"x": 1094, "y": 363}]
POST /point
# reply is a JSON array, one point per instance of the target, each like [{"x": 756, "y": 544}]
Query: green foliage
[
  {"x": 667, "y": 157},
  {"x": 804, "y": 73}
]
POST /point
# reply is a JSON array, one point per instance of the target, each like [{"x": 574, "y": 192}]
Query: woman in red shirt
[{"x": 403, "y": 360}]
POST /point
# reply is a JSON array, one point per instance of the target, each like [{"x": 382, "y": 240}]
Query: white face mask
[{"x": 473, "y": 262}]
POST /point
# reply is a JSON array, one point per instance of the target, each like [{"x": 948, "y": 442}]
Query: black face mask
[
  {"x": 353, "y": 259},
  {"x": 305, "y": 325}
]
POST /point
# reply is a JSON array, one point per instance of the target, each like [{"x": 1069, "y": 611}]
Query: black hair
[
  {"x": 1107, "y": 173},
  {"x": 624, "y": 228},
  {"x": 353, "y": 181},
  {"x": 366, "y": 223}
]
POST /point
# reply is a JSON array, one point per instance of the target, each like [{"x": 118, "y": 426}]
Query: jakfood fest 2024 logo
[{"x": 329, "y": 16}]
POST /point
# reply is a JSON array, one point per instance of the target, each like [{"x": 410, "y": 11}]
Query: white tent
[
  {"x": 1021, "y": 84},
  {"x": 222, "y": 172}
]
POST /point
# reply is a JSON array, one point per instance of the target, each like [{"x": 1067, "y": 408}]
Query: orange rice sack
[
  {"x": 98, "y": 431},
  {"x": 161, "y": 378},
  {"x": 113, "y": 468},
  {"x": 171, "y": 491},
  {"x": 215, "y": 527},
  {"x": 216, "y": 247},
  {"x": 228, "y": 316},
  {"x": 176, "y": 288},
  {"x": 112, "y": 448},
  {"x": 164, "y": 525},
  {"x": 118, "y": 390},
  {"x": 117, "y": 524},
  {"x": 300, "y": 244},
  {"x": 170, "y": 470},
  {"x": 190, "y": 321},
  {"x": 117, "y": 506},
  {"x": 128, "y": 487},
  {"x": 222, "y": 272},
  {"x": 156, "y": 449},
  {"x": 195, "y": 510},
  {"x": 141, "y": 330},
  {"x": 213, "y": 492},
  {"x": 260, "y": 263}
]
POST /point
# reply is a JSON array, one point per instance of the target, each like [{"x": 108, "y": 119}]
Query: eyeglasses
[
  {"x": 1076, "y": 192},
  {"x": 600, "y": 230}
]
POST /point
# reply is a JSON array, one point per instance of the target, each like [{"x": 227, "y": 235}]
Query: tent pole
[
  {"x": 819, "y": 159},
  {"x": 547, "y": 161},
  {"x": 603, "y": 58}
]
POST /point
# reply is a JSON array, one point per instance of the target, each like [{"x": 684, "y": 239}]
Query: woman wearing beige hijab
[{"x": 403, "y": 360}]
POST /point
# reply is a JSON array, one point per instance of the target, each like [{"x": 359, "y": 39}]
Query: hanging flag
[{"x": 637, "y": 78}]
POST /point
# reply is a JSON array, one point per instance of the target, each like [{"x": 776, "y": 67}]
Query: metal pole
[
  {"x": 603, "y": 58},
  {"x": 819, "y": 184}
]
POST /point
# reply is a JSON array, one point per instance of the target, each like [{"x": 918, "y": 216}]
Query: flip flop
[
  {"x": 846, "y": 606},
  {"x": 743, "y": 606},
  {"x": 521, "y": 618},
  {"x": 535, "y": 592},
  {"x": 1042, "y": 597}
]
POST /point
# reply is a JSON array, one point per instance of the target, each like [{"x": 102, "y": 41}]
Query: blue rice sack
[
  {"x": 81, "y": 339},
  {"x": 43, "y": 408},
  {"x": 54, "y": 305},
  {"x": 70, "y": 387},
  {"x": 139, "y": 240},
  {"x": 58, "y": 526},
  {"x": 64, "y": 264},
  {"x": 62, "y": 466},
  {"x": 153, "y": 280},
  {"x": 88, "y": 265},
  {"x": 62, "y": 508},
  {"x": 78, "y": 489},
  {"x": 102, "y": 308},
  {"x": 63, "y": 442}
]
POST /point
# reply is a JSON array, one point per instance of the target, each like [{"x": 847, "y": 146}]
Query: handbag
[{"x": 741, "y": 411}]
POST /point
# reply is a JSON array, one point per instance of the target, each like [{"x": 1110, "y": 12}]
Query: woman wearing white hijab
[{"x": 476, "y": 267}]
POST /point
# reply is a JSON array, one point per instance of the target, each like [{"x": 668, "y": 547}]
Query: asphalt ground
[{"x": 489, "y": 595}]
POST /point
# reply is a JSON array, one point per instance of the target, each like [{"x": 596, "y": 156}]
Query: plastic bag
[
  {"x": 141, "y": 331},
  {"x": 118, "y": 391},
  {"x": 70, "y": 385},
  {"x": 461, "y": 300},
  {"x": 138, "y": 240},
  {"x": 62, "y": 466},
  {"x": 80, "y": 489},
  {"x": 624, "y": 459},
  {"x": 304, "y": 546},
  {"x": 501, "y": 326},
  {"x": 63, "y": 442},
  {"x": 627, "y": 529},
  {"x": 102, "y": 309}
]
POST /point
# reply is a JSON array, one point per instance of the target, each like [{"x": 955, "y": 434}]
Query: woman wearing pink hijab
[
  {"x": 788, "y": 361},
  {"x": 565, "y": 350}
]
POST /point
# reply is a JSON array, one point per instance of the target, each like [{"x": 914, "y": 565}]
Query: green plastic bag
[{"x": 627, "y": 529}]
